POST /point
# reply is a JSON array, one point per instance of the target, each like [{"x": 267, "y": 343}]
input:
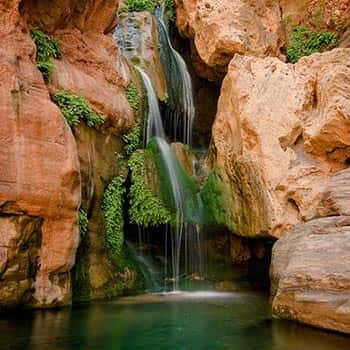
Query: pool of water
[{"x": 175, "y": 321}]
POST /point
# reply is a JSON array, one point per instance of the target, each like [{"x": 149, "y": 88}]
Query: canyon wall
[{"x": 49, "y": 171}]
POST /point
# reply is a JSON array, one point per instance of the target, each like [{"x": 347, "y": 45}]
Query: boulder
[
  {"x": 310, "y": 275},
  {"x": 281, "y": 141},
  {"x": 221, "y": 29}
]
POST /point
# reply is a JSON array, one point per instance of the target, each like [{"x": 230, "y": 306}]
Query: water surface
[{"x": 193, "y": 320}]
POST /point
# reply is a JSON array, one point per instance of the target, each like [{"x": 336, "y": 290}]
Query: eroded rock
[
  {"x": 281, "y": 139},
  {"x": 221, "y": 29},
  {"x": 310, "y": 274}
]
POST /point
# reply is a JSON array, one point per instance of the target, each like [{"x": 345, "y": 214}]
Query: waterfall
[
  {"x": 180, "y": 99},
  {"x": 154, "y": 125},
  {"x": 176, "y": 124}
]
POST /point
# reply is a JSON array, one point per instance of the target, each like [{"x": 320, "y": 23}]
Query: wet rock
[
  {"x": 137, "y": 36},
  {"x": 310, "y": 274}
]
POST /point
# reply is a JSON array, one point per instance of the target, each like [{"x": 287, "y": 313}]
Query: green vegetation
[
  {"x": 83, "y": 222},
  {"x": 212, "y": 196},
  {"x": 133, "y": 96},
  {"x": 305, "y": 42},
  {"x": 132, "y": 140},
  {"x": 146, "y": 209},
  {"x": 170, "y": 10},
  {"x": 75, "y": 108},
  {"x": 112, "y": 206},
  {"x": 138, "y": 5},
  {"x": 47, "y": 48}
]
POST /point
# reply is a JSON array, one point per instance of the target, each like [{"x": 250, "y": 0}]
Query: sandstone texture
[
  {"x": 39, "y": 173},
  {"x": 221, "y": 29},
  {"x": 40, "y": 160},
  {"x": 281, "y": 141},
  {"x": 310, "y": 274}
]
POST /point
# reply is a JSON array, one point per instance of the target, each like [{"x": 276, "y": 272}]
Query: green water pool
[{"x": 190, "y": 320}]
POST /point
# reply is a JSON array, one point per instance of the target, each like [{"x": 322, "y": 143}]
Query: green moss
[
  {"x": 138, "y": 5},
  {"x": 113, "y": 209},
  {"x": 76, "y": 108},
  {"x": 213, "y": 200},
  {"x": 305, "y": 42},
  {"x": 146, "y": 209},
  {"x": 83, "y": 222},
  {"x": 46, "y": 48}
]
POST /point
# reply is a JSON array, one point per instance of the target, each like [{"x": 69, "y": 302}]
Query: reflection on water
[{"x": 213, "y": 321}]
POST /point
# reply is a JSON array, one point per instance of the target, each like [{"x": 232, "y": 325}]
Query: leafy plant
[
  {"x": 170, "y": 10},
  {"x": 83, "y": 222},
  {"x": 112, "y": 206},
  {"x": 75, "y": 108},
  {"x": 133, "y": 96},
  {"x": 146, "y": 209},
  {"x": 46, "y": 48},
  {"x": 305, "y": 42},
  {"x": 132, "y": 140},
  {"x": 138, "y": 5}
]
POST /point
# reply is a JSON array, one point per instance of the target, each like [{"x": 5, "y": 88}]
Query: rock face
[
  {"x": 281, "y": 139},
  {"x": 40, "y": 180},
  {"x": 221, "y": 29},
  {"x": 310, "y": 274},
  {"x": 20, "y": 241},
  {"x": 39, "y": 173}
]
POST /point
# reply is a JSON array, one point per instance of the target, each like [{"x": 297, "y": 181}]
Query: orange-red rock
[{"x": 39, "y": 173}]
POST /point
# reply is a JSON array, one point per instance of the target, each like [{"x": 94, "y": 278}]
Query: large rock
[
  {"x": 281, "y": 141},
  {"x": 221, "y": 29},
  {"x": 310, "y": 274},
  {"x": 40, "y": 171},
  {"x": 39, "y": 165}
]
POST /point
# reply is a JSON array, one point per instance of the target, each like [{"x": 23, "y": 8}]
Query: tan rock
[
  {"x": 280, "y": 136},
  {"x": 310, "y": 274},
  {"x": 221, "y": 29}
]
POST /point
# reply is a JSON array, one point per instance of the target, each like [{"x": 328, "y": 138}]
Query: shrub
[
  {"x": 133, "y": 140},
  {"x": 305, "y": 42},
  {"x": 170, "y": 10},
  {"x": 46, "y": 48},
  {"x": 112, "y": 206},
  {"x": 133, "y": 96},
  {"x": 83, "y": 222},
  {"x": 138, "y": 5},
  {"x": 75, "y": 108},
  {"x": 146, "y": 209}
]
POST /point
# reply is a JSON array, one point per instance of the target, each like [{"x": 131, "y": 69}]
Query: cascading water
[
  {"x": 176, "y": 124},
  {"x": 181, "y": 111}
]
